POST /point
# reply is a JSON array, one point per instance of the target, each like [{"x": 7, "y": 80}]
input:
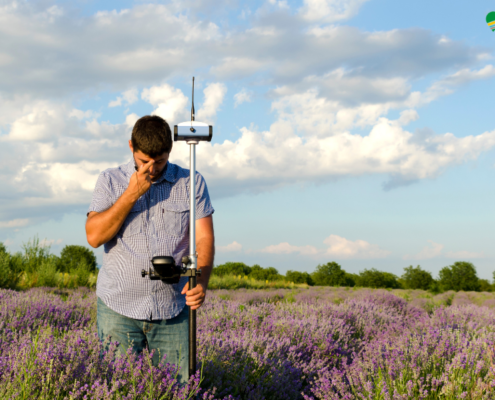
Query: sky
[{"x": 355, "y": 131}]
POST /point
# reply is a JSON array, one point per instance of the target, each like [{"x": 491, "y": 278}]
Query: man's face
[{"x": 157, "y": 168}]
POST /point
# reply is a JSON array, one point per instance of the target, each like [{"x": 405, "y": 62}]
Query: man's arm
[
  {"x": 205, "y": 247},
  {"x": 102, "y": 227}
]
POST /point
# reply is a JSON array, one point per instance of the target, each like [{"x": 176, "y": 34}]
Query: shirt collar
[{"x": 169, "y": 175}]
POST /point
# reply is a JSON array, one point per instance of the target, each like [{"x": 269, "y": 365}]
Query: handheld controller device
[{"x": 164, "y": 267}]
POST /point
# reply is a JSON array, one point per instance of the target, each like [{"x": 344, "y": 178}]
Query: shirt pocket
[
  {"x": 173, "y": 219},
  {"x": 133, "y": 224}
]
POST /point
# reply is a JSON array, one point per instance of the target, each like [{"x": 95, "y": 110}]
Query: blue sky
[{"x": 345, "y": 130}]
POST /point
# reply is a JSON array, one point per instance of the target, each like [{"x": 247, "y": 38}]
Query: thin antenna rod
[{"x": 193, "y": 112}]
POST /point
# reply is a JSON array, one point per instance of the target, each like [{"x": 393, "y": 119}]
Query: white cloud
[
  {"x": 40, "y": 123},
  {"x": 8, "y": 242},
  {"x": 129, "y": 97},
  {"x": 447, "y": 85},
  {"x": 15, "y": 223},
  {"x": 343, "y": 248},
  {"x": 44, "y": 59},
  {"x": 308, "y": 143},
  {"x": 435, "y": 250},
  {"x": 49, "y": 242},
  {"x": 64, "y": 149},
  {"x": 463, "y": 254},
  {"x": 64, "y": 183},
  {"x": 131, "y": 119},
  {"x": 171, "y": 103},
  {"x": 115, "y": 103},
  {"x": 351, "y": 87},
  {"x": 232, "y": 247},
  {"x": 46, "y": 242},
  {"x": 431, "y": 251},
  {"x": 237, "y": 67},
  {"x": 330, "y": 10},
  {"x": 55, "y": 152},
  {"x": 281, "y": 4},
  {"x": 242, "y": 97},
  {"x": 338, "y": 247},
  {"x": 214, "y": 95},
  {"x": 174, "y": 106},
  {"x": 286, "y": 248}
]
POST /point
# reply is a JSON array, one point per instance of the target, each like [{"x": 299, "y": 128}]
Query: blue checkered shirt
[{"x": 157, "y": 225}]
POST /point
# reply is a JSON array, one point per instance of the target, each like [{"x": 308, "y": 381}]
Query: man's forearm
[
  {"x": 102, "y": 227},
  {"x": 206, "y": 253}
]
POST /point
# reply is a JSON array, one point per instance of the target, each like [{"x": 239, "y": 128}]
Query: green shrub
[
  {"x": 299, "y": 277},
  {"x": 435, "y": 287},
  {"x": 265, "y": 274},
  {"x": 236, "y": 282},
  {"x": 350, "y": 279},
  {"x": 9, "y": 276},
  {"x": 331, "y": 274},
  {"x": 485, "y": 285},
  {"x": 459, "y": 276},
  {"x": 82, "y": 273},
  {"x": 34, "y": 255},
  {"x": 231, "y": 268},
  {"x": 372, "y": 278},
  {"x": 72, "y": 255},
  {"x": 47, "y": 273},
  {"x": 416, "y": 278},
  {"x": 35, "y": 266}
]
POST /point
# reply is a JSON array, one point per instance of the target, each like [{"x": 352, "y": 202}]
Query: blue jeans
[{"x": 168, "y": 337}]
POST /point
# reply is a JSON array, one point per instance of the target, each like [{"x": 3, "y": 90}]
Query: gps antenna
[{"x": 193, "y": 112}]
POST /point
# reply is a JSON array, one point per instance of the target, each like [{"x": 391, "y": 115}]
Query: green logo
[{"x": 490, "y": 20}]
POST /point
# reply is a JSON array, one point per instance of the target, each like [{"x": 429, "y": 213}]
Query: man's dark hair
[{"x": 152, "y": 136}]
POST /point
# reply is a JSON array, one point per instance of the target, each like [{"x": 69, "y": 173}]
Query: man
[{"x": 140, "y": 210}]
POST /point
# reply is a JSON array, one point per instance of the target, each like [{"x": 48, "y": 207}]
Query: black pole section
[{"x": 192, "y": 332}]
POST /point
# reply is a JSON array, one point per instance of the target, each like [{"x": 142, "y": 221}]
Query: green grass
[{"x": 244, "y": 282}]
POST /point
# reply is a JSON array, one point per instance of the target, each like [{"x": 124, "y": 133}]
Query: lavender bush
[{"x": 317, "y": 343}]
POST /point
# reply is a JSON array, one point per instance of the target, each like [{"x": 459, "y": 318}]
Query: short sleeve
[
  {"x": 204, "y": 207},
  {"x": 102, "y": 196}
]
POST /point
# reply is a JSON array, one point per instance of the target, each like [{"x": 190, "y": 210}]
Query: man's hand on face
[
  {"x": 194, "y": 297},
  {"x": 141, "y": 180}
]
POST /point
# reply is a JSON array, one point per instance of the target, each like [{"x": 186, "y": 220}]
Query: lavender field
[{"x": 316, "y": 343}]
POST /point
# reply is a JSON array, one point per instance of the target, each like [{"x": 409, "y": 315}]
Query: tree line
[
  {"x": 36, "y": 266},
  {"x": 461, "y": 275},
  {"x": 77, "y": 266}
]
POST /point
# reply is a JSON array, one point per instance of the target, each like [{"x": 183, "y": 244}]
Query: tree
[
  {"x": 351, "y": 279},
  {"x": 35, "y": 254},
  {"x": 331, "y": 274},
  {"x": 417, "y": 278},
  {"x": 373, "y": 278},
  {"x": 3, "y": 249},
  {"x": 299, "y": 277},
  {"x": 459, "y": 276},
  {"x": 72, "y": 255},
  {"x": 9, "y": 275},
  {"x": 264, "y": 274},
  {"x": 485, "y": 285},
  {"x": 231, "y": 268}
]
